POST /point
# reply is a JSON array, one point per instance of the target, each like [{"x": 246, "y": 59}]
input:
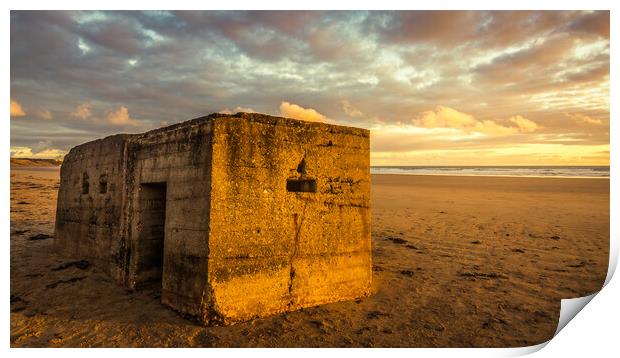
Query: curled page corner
[
  {"x": 523, "y": 351},
  {"x": 570, "y": 308}
]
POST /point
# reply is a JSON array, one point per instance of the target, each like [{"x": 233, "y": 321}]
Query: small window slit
[{"x": 301, "y": 185}]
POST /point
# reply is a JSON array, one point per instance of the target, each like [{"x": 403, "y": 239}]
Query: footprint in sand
[
  {"x": 407, "y": 273},
  {"x": 81, "y": 264},
  {"x": 71, "y": 280},
  {"x": 397, "y": 240},
  {"x": 38, "y": 237},
  {"x": 377, "y": 314}
]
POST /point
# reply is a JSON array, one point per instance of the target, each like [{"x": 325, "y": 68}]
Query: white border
[{"x": 593, "y": 331}]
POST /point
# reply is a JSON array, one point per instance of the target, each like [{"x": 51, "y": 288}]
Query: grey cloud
[
  {"x": 443, "y": 27},
  {"x": 596, "y": 23},
  {"x": 541, "y": 56},
  {"x": 122, "y": 36},
  {"x": 481, "y": 28}
]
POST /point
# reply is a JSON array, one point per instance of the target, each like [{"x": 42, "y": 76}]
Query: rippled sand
[{"x": 458, "y": 262}]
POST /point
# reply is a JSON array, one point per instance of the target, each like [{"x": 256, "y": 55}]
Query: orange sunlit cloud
[
  {"x": 120, "y": 117},
  {"x": 16, "y": 109},
  {"x": 295, "y": 111},
  {"x": 445, "y": 117}
]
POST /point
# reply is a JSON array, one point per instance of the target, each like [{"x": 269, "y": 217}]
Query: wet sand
[{"x": 458, "y": 262}]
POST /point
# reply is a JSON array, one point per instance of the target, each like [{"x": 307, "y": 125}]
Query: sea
[{"x": 499, "y": 171}]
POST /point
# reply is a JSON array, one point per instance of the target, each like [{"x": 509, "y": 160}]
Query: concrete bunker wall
[
  {"x": 138, "y": 207},
  {"x": 88, "y": 214},
  {"x": 173, "y": 166},
  {"x": 290, "y": 216}
]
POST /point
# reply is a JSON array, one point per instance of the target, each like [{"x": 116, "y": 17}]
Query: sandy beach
[{"x": 458, "y": 262}]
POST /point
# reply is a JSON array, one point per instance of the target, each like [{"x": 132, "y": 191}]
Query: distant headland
[{"x": 34, "y": 162}]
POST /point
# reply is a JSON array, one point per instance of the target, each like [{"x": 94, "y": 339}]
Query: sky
[{"x": 434, "y": 87}]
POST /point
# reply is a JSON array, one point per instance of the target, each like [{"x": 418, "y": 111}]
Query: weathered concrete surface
[
  {"x": 235, "y": 216},
  {"x": 272, "y": 250}
]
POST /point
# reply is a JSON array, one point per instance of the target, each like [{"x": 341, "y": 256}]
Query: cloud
[
  {"x": 596, "y": 22},
  {"x": 82, "y": 111},
  {"x": 446, "y": 117},
  {"x": 525, "y": 125},
  {"x": 237, "y": 110},
  {"x": 529, "y": 62},
  {"x": 582, "y": 119},
  {"x": 120, "y": 117},
  {"x": 350, "y": 110},
  {"x": 446, "y": 27},
  {"x": 256, "y": 34},
  {"x": 27, "y": 152},
  {"x": 516, "y": 154},
  {"x": 124, "y": 36},
  {"x": 44, "y": 114},
  {"x": 41, "y": 146},
  {"x": 16, "y": 109},
  {"x": 335, "y": 41},
  {"x": 593, "y": 74},
  {"x": 287, "y": 21},
  {"x": 482, "y": 29},
  {"x": 389, "y": 66},
  {"x": 291, "y": 110}
]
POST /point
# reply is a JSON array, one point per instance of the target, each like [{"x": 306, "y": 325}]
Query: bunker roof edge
[{"x": 257, "y": 117}]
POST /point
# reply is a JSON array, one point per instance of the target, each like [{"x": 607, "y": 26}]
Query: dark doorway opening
[{"x": 150, "y": 248}]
